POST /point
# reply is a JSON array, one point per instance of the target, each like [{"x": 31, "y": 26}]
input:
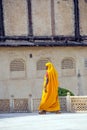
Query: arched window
[
  {"x": 17, "y": 68},
  {"x": 41, "y": 63},
  {"x": 68, "y": 67},
  {"x": 68, "y": 63},
  {"x": 85, "y": 66},
  {"x": 17, "y": 65},
  {"x": 85, "y": 63}
]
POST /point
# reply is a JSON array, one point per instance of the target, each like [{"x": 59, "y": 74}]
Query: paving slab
[{"x": 49, "y": 121}]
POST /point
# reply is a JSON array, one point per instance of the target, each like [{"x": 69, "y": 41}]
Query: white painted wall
[{"x": 32, "y": 82}]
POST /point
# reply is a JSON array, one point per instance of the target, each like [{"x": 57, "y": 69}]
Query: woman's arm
[{"x": 45, "y": 87}]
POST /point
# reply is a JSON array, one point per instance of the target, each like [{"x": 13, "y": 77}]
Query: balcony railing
[{"x": 68, "y": 104}]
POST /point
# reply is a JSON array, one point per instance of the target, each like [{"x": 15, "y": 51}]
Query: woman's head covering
[
  {"x": 50, "y": 67},
  {"x": 52, "y": 73},
  {"x": 49, "y": 100}
]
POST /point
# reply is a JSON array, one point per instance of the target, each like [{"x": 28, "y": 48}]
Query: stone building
[{"x": 33, "y": 32}]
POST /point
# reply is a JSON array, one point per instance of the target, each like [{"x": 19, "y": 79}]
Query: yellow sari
[{"x": 49, "y": 100}]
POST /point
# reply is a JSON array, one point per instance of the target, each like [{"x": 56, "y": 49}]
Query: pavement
[{"x": 49, "y": 121}]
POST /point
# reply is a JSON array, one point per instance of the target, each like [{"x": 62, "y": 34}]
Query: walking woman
[{"x": 49, "y": 101}]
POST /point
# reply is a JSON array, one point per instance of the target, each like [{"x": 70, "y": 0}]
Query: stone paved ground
[{"x": 50, "y": 121}]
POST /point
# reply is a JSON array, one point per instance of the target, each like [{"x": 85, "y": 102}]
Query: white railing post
[
  {"x": 12, "y": 103},
  {"x": 68, "y": 101},
  {"x": 30, "y": 103}
]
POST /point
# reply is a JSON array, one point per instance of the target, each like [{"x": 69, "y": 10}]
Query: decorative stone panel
[
  {"x": 63, "y": 106},
  {"x": 36, "y": 103},
  {"x": 20, "y": 105},
  {"x": 78, "y": 104},
  {"x": 4, "y": 105}
]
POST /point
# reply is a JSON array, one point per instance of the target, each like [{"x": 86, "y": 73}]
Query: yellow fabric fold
[{"x": 49, "y": 100}]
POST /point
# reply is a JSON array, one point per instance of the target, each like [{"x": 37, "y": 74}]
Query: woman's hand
[{"x": 45, "y": 89}]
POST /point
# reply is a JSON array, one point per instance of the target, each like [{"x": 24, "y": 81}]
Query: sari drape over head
[{"x": 49, "y": 100}]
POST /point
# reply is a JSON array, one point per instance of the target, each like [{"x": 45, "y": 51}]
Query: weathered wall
[
  {"x": 41, "y": 17},
  {"x": 83, "y": 17},
  {"x": 30, "y": 82},
  {"x": 15, "y": 17},
  {"x": 64, "y": 24},
  {"x": 49, "y": 17}
]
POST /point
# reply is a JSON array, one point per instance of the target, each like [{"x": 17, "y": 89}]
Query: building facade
[{"x": 33, "y": 32}]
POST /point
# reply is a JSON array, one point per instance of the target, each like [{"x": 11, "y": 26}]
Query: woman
[{"x": 49, "y": 101}]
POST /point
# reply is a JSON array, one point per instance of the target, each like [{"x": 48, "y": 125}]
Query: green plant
[{"x": 63, "y": 92}]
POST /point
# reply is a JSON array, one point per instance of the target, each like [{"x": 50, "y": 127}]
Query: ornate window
[
  {"x": 85, "y": 63},
  {"x": 68, "y": 63},
  {"x": 41, "y": 64},
  {"x": 68, "y": 67},
  {"x": 17, "y": 68},
  {"x": 17, "y": 65},
  {"x": 85, "y": 66}
]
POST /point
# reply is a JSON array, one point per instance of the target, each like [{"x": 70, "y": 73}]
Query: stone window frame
[
  {"x": 85, "y": 63},
  {"x": 17, "y": 68},
  {"x": 85, "y": 66},
  {"x": 17, "y": 65},
  {"x": 69, "y": 67},
  {"x": 41, "y": 63}
]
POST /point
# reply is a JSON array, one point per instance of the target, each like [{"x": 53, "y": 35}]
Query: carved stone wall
[
  {"x": 4, "y": 105},
  {"x": 79, "y": 104}
]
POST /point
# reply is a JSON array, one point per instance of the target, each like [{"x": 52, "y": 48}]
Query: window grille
[
  {"x": 41, "y": 64},
  {"x": 68, "y": 67},
  {"x": 85, "y": 64},
  {"x": 68, "y": 63},
  {"x": 17, "y": 65},
  {"x": 85, "y": 67}
]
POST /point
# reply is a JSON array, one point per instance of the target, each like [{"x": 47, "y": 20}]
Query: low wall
[{"x": 68, "y": 104}]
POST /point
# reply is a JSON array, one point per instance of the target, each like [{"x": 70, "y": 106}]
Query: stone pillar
[
  {"x": 30, "y": 103},
  {"x": 68, "y": 102},
  {"x": 80, "y": 89},
  {"x": 12, "y": 103}
]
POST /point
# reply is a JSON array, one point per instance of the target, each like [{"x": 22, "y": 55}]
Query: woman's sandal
[
  {"x": 58, "y": 112},
  {"x": 42, "y": 112}
]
